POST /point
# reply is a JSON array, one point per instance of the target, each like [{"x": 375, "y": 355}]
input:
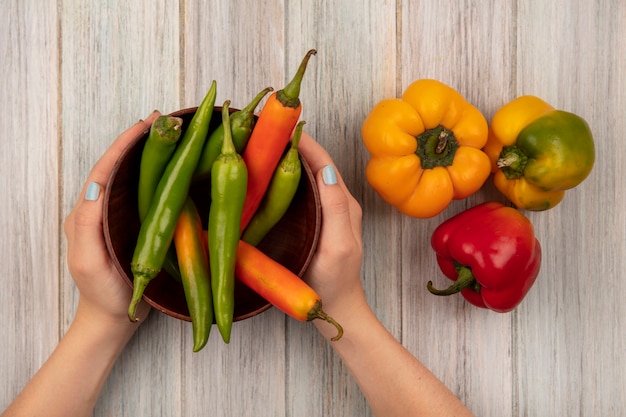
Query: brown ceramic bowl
[{"x": 292, "y": 242}]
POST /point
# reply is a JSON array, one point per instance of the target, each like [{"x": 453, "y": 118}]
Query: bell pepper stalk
[
  {"x": 537, "y": 152},
  {"x": 491, "y": 253},
  {"x": 425, "y": 149}
]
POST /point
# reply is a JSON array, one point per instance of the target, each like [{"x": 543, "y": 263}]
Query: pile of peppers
[
  {"x": 254, "y": 174},
  {"x": 431, "y": 147}
]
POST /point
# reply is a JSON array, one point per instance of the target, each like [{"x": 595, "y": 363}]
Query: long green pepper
[
  {"x": 241, "y": 125},
  {"x": 157, "y": 152},
  {"x": 279, "y": 195},
  {"x": 229, "y": 179},
  {"x": 157, "y": 229}
]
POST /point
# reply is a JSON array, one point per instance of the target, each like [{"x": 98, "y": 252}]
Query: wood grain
[
  {"x": 29, "y": 207},
  {"x": 108, "y": 83},
  {"x": 572, "y": 332},
  {"x": 74, "y": 75}
]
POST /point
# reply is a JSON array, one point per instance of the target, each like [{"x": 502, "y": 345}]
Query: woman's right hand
[
  {"x": 102, "y": 290},
  {"x": 334, "y": 272}
]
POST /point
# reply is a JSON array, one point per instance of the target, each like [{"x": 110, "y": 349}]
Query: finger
[
  {"x": 102, "y": 169},
  {"x": 317, "y": 157}
]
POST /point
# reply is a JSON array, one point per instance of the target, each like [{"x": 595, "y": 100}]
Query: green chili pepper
[
  {"x": 242, "y": 123},
  {"x": 160, "y": 145},
  {"x": 157, "y": 152},
  {"x": 194, "y": 269},
  {"x": 157, "y": 229},
  {"x": 279, "y": 194},
  {"x": 229, "y": 179},
  {"x": 170, "y": 264}
]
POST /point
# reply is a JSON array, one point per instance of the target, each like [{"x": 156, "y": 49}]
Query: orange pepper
[
  {"x": 281, "y": 287},
  {"x": 426, "y": 149}
]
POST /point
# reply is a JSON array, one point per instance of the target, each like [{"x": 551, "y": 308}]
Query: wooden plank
[
  {"x": 29, "y": 210},
  {"x": 240, "y": 44},
  {"x": 354, "y": 67},
  {"x": 119, "y": 62},
  {"x": 571, "y": 338},
  {"x": 469, "y": 46}
]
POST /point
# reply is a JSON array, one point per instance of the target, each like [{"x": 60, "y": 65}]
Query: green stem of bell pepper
[
  {"x": 229, "y": 179},
  {"x": 464, "y": 281},
  {"x": 436, "y": 147},
  {"x": 512, "y": 162}
]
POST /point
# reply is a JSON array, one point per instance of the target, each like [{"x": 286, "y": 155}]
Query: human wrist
[
  {"x": 346, "y": 311},
  {"x": 115, "y": 330}
]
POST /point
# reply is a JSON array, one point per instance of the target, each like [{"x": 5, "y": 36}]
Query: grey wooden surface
[{"x": 74, "y": 74}]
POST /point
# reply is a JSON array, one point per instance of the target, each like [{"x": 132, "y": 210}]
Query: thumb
[
  {"x": 335, "y": 204},
  {"x": 87, "y": 220}
]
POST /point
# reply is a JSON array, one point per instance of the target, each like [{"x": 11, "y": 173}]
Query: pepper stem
[
  {"x": 228, "y": 147},
  {"x": 289, "y": 96},
  {"x": 295, "y": 141},
  {"x": 507, "y": 160},
  {"x": 464, "y": 281},
  {"x": 317, "y": 313},
  {"x": 436, "y": 147},
  {"x": 249, "y": 108},
  {"x": 139, "y": 286},
  {"x": 167, "y": 128},
  {"x": 512, "y": 162}
]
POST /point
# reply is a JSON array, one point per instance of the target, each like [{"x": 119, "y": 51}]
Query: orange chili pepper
[
  {"x": 281, "y": 287},
  {"x": 193, "y": 260},
  {"x": 269, "y": 139}
]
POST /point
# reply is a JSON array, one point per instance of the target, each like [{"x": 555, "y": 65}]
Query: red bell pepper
[{"x": 491, "y": 253}]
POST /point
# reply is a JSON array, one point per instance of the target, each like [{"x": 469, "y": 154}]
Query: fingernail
[
  {"x": 93, "y": 191},
  {"x": 328, "y": 175}
]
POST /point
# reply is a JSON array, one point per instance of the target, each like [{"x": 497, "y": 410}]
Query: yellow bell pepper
[
  {"x": 538, "y": 152},
  {"x": 425, "y": 149}
]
